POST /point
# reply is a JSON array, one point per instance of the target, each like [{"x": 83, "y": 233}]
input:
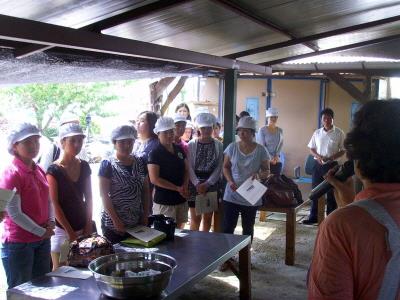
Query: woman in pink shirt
[{"x": 29, "y": 222}]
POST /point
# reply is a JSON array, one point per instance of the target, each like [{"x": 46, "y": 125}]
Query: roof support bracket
[{"x": 353, "y": 91}]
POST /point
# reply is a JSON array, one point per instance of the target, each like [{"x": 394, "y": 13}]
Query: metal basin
[{"x": 118, "y": 275}]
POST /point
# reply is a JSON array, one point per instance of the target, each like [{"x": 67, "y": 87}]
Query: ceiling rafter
[
  {"x": 244, "y": 12},
  {"x": 314, "y": 37},
  {"x": 332, "y": 50},
  {"x": 23, "y": 30},
  {"x": 110, "y": 22}
]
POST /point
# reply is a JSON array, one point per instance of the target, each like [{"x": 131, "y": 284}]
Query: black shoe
[{"x": 309, "y": 221}]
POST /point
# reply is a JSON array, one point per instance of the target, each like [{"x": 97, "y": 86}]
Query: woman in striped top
[{"x": 124, "y": 187}]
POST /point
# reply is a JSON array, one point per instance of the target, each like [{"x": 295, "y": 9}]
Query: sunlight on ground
[
  {"x": 262, "y": 232},
  {"x": 231, "y": 280}
]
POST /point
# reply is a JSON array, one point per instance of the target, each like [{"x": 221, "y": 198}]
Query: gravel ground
[{"x": 271, "y": 278}]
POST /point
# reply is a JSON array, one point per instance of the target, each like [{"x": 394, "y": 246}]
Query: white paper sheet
[
  {"x": 70, "y": 272},
  {"x": 51, "y": 292},
  {"x": 251, "y": 190}
]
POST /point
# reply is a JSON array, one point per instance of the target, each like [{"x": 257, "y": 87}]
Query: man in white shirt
[{"x": 326, "y": 145}]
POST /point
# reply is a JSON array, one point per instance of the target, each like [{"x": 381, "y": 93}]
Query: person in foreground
[
  {"x": 357, "y": 251},
  {"x": 29, "y": 224}
]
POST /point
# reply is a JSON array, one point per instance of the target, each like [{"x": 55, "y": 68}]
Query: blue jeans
[
  {"x": 231, "y": 216},
  {"x": 25, "y": 261}
]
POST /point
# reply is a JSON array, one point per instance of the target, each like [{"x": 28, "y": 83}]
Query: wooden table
[
  {"x": 197, "y": 255},
  {"x": 291, "y": 212}
]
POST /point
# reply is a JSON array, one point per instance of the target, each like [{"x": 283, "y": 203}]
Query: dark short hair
[
  {"x": 374, "y": 140},
  {"x": 244, "y": 114},
  {"x": 329, "y": 112}
]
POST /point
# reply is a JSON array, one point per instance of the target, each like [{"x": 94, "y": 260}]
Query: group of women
[{"x": 154, "y": 169}]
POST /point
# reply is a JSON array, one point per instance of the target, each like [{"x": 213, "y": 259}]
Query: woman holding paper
[
  {"x": 29, "y": 223},
  {"x": 124, "y": 187},
  {"x": 70, "y": 191},
  {"x": 242, "y": 160},
  {"x": 205, "y": 165}
]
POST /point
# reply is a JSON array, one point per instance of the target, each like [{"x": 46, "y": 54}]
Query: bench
[{"x": 291, "y": 213}]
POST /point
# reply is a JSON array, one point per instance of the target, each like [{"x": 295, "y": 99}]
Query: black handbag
[{"x": 281, "y": 192}]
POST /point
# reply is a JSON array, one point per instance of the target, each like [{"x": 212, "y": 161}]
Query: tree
[
  {"x": 157, "y": 89},
  {"x": 50, "y": 101}
]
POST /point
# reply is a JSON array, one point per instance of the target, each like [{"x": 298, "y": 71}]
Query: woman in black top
[
  {"x": 70, "y": 191},
  {"x": 168, "y": 171}
]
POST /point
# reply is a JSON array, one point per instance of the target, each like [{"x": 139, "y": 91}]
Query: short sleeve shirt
[
  {"x": 31, "y": 185},
  {"x": 172, "y": 169},
  {"x": 327, "y": 143},
  {"x": 243, "y": 166},
  {"x": 143, "y": 148},
  {"x": 71, "y": 194},
  {"x": 351, "y": 249},
  {"x": 126, "y": 190}
]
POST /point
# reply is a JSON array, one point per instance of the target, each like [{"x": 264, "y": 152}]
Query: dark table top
[{"x": 197, "y": 254}]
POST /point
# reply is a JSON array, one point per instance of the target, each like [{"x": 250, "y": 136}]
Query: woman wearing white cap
[
  {"x": 271, "y": 136},
  {"x": 70, "y": 191},
  {"x": 124, "y": 187},
  {"x": 188, "y": 134},
  {"x": 205, "y": 166},
  {"x": 180, "y": 127},
  {"x": 29, "y": 222},
  {"x": 242, "y": 160},
  {"x": 168, "y": 171}
]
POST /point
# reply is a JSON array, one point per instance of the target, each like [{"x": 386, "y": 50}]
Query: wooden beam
[
  {"x": 314, "y": 37},
  {"x": 332, "y": 50},
  {"x": 347, "y": 86},
  {"x": 230, "y": 106},
  {"x": 115, "y": 20},
  {"x": 251, "y": 15},
  {"x": 22, "y": 30}
]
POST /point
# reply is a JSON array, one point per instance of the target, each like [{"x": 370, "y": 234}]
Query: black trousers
[{"x": 317, "y": 177}]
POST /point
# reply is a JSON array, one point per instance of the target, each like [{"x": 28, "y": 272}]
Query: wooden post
[
  {"x": 290, "y": 237},
  {"x": 263, "y": 215},
  {"x": 245, "y": 273}
]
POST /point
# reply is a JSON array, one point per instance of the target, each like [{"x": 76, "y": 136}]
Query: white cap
[
  {"x": 69, "y": 118},
  {"x": 247, "y": 122},
  {"x": 123, "y": 132},
  {"x": 164, "y": 124},
  {"x": 20, "y": 132},
  {"x": 70, "y": 129},
  {"x": 189, "y": 124},
  {"x": 271, "y": 112},
  {"x": 205, "y": 120},
  {"x": 179, "y": 118}
]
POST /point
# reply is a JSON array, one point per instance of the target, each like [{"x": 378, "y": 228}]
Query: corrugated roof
[{"x": 221, "y": 27}]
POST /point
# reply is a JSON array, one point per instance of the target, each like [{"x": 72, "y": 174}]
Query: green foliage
[{"x": 49, "y": 101}]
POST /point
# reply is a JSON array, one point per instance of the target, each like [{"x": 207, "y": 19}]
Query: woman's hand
[
  {"x": 72, "y": 236},
  {"x": 119, "y": 227},
  {"x": 49, "y": 232},
  {"x": 183, "y": 191},
  {"x": 233, "y": 186},
  {"x": 344, "y": 191},
  {"x": 202, "y": 188}
]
